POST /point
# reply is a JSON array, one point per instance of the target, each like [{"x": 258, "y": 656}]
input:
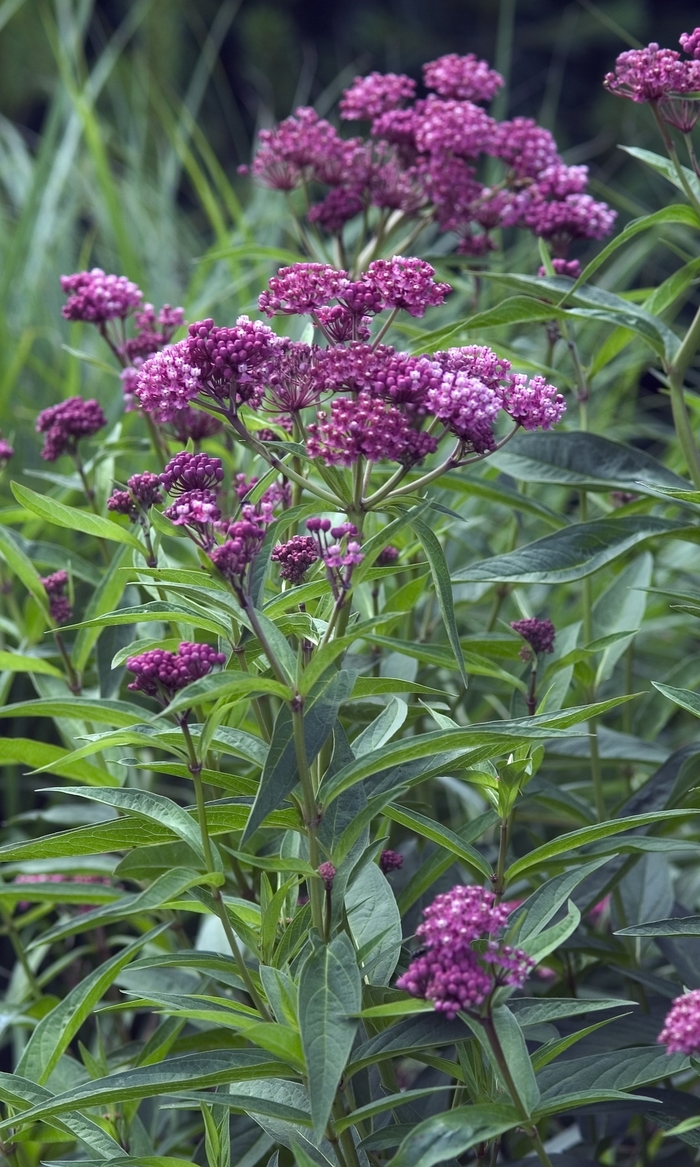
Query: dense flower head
[
  {"x": 121, "y": 502},
  {"x": 681, "y": 1031},
  {"x": 295, "y": 557},
  {"x": 563, "y": 267},
  {"x": 532, "y": 402},
  {"x": 192, "y": 423},
  {"x": 187, "y": 472},
  {"x": 539, "y": 634},
  {"x": 578, "y": 216},
  {"x": 390, "y": 861},
  {"x": 198, "y": 511},
  {"x": 292, "y": 151},
  {"x": 450, "y": 972},
  {"x": 145, "y": 488},
  {"x": 64, "y": 424},
  {"x": 159, "y": 673},
  {"x": 524, "y": 146},
  {"x": 292, "y": 377},
  {"x": 95, "y": 297},
  {"x": 6, "y": 451},
  {"x": 402, "y": 379},
  {"x": 167, "y": 382},
  {"x": 690, "y": 43},
  {"x": 340, "y": 324},
  {"x": 233, "y": 557},
  {"x": 228, "y": 358},
  {"x": 652, "y": 74},
  {"x": 466, "y": 78},
  {"x": 476, "y": 360},
  {"x": 366, "y": 426},
  {"x": 388, "y": 556},
  {"x": 338, "y": 207},
  {"x": 302, "y": 288},
  {"x": 455, "y": 127},
  {"x": 59, "y": 605},
  {"x": 377, "y": 93},
  {"x": 327, "y": 872},
  {"x": 468, "y": 408},
  {"x": 406, "y": 282}
]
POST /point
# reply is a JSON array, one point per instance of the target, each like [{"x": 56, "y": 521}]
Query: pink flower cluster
[
  {"x": 295, "y": 557},
  {"x": 234, "y": 557},
  {"x": 662, "y": 78},
  {"x": 64, "y": 424},
  {"x": 143, "y": 492},
  {"x": 681, "y": 1031},
  {"x": 397, "y": 283},
  {"x": 422, "y": 159},
  {"x": 59, "y": 605},
  {"x": 450, "y": 972},
  {"x": 159, "y": 673},
  {"x": 95, "y": 297},
  {"x": 6, "y": 451},
  {"x": 539, "y": 634}
]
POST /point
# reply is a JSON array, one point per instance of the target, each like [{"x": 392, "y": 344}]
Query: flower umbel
[{"x": 681, "y": 1031}]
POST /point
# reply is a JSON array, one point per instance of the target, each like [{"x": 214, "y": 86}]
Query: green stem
[
  {"x": 503, "y": 836},
  {"x": 195, "y": 768},
  {"x": 502, "y": 1063},
  {"x": 673, "y": 155},
  {"x": 72, "y": 678},
  {"x": 311, "y": 815}
]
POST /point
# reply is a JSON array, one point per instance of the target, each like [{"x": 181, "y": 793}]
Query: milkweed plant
[{"x": 340, "y": 627}]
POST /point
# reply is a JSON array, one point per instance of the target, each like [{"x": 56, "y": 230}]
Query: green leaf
[
  {"x": 443, "y": 588},
  {"x": 36, "y": 755},
  {"x": 74, "y": 519},
  {"x": 576, "y": 552},
  {"x": 541, "y": 944},
  {"x": 682, "y": 926},
  {"x": 572, "y": 840},
  {"x": 665, "y": 167},
  {"x": 117, "y": 713},
  {"x": 21, "y": 1093},
  {"x": 444, "y": 837},
  {"x": 537, "y": 910},
  {"x": 104, "y": 598},
  {"x": 678, "y": 213},
  {"x": 375, "y": 923},
  {"x": 163, "y": 612},
  {"x": 382, "y": 729},
  {"x": 22, "y": 567},
  {"x": 280, "y": 773},
  {"x": 450, "y": 1134},
  {"x": 583, "y": 460},
  {"x": 329, "y": 994},
  {"x": 57, "y": 1029},
  {"x": 512, "y": 1043},
  {"x": 16, "y": 662},
  {"x": 683, "y": 697},
  {"x": 222, "y": 686},
  {"x": 622, "y": 1069},
  {"x": 541, "y": 1010},
  {"x": 189, "y": 1072}
]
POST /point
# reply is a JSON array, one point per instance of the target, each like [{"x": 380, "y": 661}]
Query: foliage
[{"x": 465, "y": 680}]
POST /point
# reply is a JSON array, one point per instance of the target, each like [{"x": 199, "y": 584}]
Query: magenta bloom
[
  {"x": 167, "y": 382},
  {"x": 59, "y": 605},
  {"x": 198, "y": 511},
  {"x": 142, "y": 493},
  {"x": 366, "y": 426},
  {"x": 406, "y": 282},
  {"x": 532, "y": 402},
  {"x": 96, "y": 297},
  {"x": 234, "y": 557},
  {"x": 539, "y": 634},
  {"x": 450, "y": 972},
  {"x": 563, "y": 267},
  {"x": 390, "y": 861},
  {"x": 302, "y": 288},
  {"x": 468, "y": 408},
  {"x": 6, "y": 451},
  {"x": 681, "y": 1031},
  {"x": 690, "y": 43},
  {"x": 652, "y": 74},
  {"x": 187, "y": 472},
  {"x": 296, "y": 147},
  {"x": 228, "y": 359},
  {"x": 523, "y": 145},
  {"x": 327, "y": 872},
  {"x": 159, "y": 673},
  {"x": 377, "y": 93},
  {"x": 578, "y": 216},
  {"x": 465, "y": 78},
  {"x": 455, "y": 127},
  {"x": 64, "y": 424},
  {"x": 296, "y": 557}
]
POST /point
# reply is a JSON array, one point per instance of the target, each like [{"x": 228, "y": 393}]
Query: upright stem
[
  {"x": 587, "y": 613},
  {"x": 308, "y": 795},
  {"x": 72, "y": 678},
  {"x": 502, "y": 1063},
  {"x": 195, "y": 768},
  {"x": 503, "y": 837},
  {"x": 673, "y": 155}
]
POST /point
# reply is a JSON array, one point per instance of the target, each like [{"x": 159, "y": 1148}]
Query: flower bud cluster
[
  {"x": 6, "y": 451},
  {"x": 143, "y": 492},
  {"x": 159, "y": 673},
  {"x": 539, "y": 634},
  {"x": 451, "y": 972},
  {"x": 681, "y": 1031},
  {"x": 64, "y": 424},
  {"x": 59, "y": 605}
]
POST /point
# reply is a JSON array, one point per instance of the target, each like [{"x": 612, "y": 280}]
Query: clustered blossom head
[
  {"x": 159, "y": 673},
  {"x": 295, "y": 557},
  {"x": 339, "y": 551},
  {"x": 660, "y": 77},
  {"x": 187, "y": 472},
  {"x": 188, "y": 423},
  {"x": 327, "y": 872},
  {"x": 64, "y": 424},
  {"x": 539, "y": 634},
  {"x": 563, "y": 267},
  {"x": 59, "y": 605},
  {"x": 95, "y": 297},
  {"x": 198, "y": 511},
  {"x": 399, "y": 283},
  {"x": 390, "y": 861},
  {"x": 6, "y": 451},
  {"x": 143, "y": 492},
  {"x": 234, "y": 557},
  {"x": 451, "y": 972},
  {"x": 681, "y": 1031},
  {"x": 387, "y": 557},
  {"x": 422, "y": 159}
]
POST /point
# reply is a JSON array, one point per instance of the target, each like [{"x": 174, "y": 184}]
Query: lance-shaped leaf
[
  {"x": 73, "y": 518},
  {"x": 448, "y": 1135},
  {"x": 21, "y": 1094},
  {"x": 280, "y": 774},
  {"x": 443, "y": 588},
  {"x": 105, "y": 597},
  {"x": 17, "y": 662},
  {"x": 330, "y": 993},
  {"x": 56, "y": 759},
  {"x": 21, "y": 565},
  {"x": 57, "y": 1029},
  {"x": 683, "y": 697},
  {"x": 117, "y": 713},
  {"x": 682, "y": 926},
  {"x": 191, "y": 1071},
  {"x": 618, "y": 1070},
  {"x": 584, "y": 461},
  {"x": 575, "y": 552}
]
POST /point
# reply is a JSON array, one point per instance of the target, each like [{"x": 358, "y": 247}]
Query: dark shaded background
[{"x": 270, "y": 55}]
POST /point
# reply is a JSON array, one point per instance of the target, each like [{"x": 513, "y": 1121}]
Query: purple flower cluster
[
  {"x": 295, "y": 557},
  {"x": 64, "y": 424},
  {"x": 159, "y": 673},
  {"x": 192, "y": 472},
  {"x": 328, "y": 873},
  {"x": 59, "y": 605},
  {"x": 452, "y": 973},
  {"x": 390, "y": 861},
  {"x": 563, "y": 267},
  {"x": 6, "y": 451},
  {"x": 215, "y": 363},
  {"x": 95, "y": 297},
  {"x": 366, "y": 426},
  {"x": 422, "y": 159},
  {"x": 397, "y": 283},
  {"x": 681, "y": 1031},
  {"x": 234, "y": 557},
  {"x": 339, "y": 550},
  {"x": 660, "y": 77},
  {"x": 188, "y": 423},
  {"x": 143, "y": 492},
  {"x": 539, "y": 634}
]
